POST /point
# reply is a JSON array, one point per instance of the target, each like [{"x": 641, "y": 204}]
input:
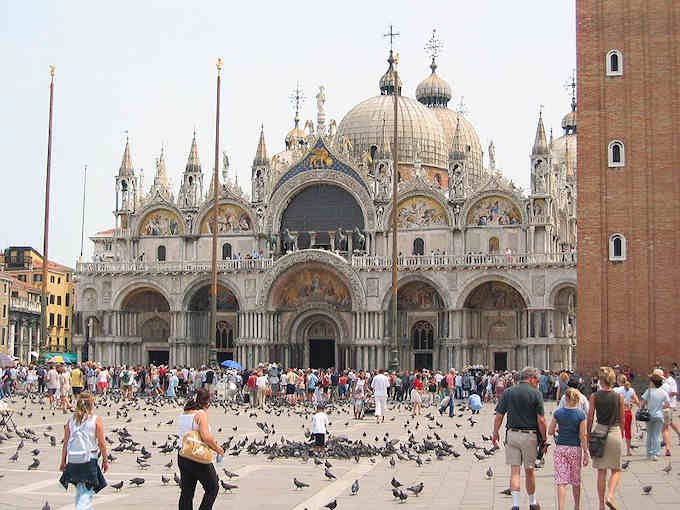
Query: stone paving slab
[{"x": 450, "y": 483}]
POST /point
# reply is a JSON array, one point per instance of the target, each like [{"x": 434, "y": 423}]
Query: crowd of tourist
[{"x": 593, "y": 421}]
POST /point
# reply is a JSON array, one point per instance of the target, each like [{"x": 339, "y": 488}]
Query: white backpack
[{"x": 79, "y": 448}]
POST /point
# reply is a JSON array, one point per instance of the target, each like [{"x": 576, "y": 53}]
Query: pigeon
[
  {"x": 229, "y": 474},
  {"x": 647, "y": 489},
  {"x": 35, "y": 452},
  {"x": 355, "y": 488},
  {"x": 416, "y": 489},
  {"x": 329, "y": 475},
  {"x": 137, "y": 481},
  {"x": 118, "y": 486},
  {"x": 165, "y": 479},
  {"x": 298, "y": 484},
  {"x": 392, "y": 463},
  {"x": 403, "y": 496},
  {"x": 395, "y": 483},
  {"x": 625, "y": 465},
  {"x": 489, "y": 473},
  {"x": 177, "y": 479},
  {"x": 506, "y": 492},
  {"x": 332, "y": 505},
  {"x": 35, "y": 465},
  {"x": 168, "y": 465},
  {"x": 227, "y": 486},
  {"x": 668, "y": 468}
]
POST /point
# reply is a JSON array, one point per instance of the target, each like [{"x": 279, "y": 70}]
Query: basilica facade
[{"x": 487, "y": 271}]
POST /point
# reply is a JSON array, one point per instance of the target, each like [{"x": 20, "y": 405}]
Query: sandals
[{"x": 610, "y": 505}]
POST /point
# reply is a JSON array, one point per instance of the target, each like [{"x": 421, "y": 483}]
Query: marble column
[{"x": 365, "y": 361}]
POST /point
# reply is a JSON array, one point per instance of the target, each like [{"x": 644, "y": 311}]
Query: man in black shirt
[{"x": 523, "y": 403}]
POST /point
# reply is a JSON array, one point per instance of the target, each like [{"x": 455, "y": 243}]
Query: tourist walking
[
  {"x": 655, "y": 400},
  {"x": 358, "y": 395},
  {"x": 380, "y": 384},
  {"x": 195, "y": 418},
  {"x": 606, "y": 408},
  {"x": 670, "y": 386},
  {"x": 416, "y": 398},
  {"x": 571, "y": 447},
  {"x": 83, "y": 441},
  {"x": 449, "y": 399},
  {"x": 629, "y": 398},
  {"x": 525, "y": 430}
]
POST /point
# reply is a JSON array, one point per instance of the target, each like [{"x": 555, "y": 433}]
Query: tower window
[
  {"x": 161, "y": 253},
  {"x": 418, "y": 246},
  {"x": 616, "y": 154},
  {"x": 614, "y": 63},
  {"x": 617, "y": 248}
]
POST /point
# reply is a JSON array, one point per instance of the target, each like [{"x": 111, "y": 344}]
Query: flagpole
[
  {"x": 46, "y": 231},
  {"x": 212, "y": 352}
]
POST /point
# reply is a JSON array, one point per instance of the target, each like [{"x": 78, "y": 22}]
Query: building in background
[
  {"x": 25, "y": 264},
  {"x": 487, "y": 270},
  {"x": 629, "y": 183},
  {"x": 20, "y": 323}
]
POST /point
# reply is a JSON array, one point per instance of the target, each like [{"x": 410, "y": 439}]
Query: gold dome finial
[
  {"x": 219, "y": 65},
  {"x": 52, "y": 69}
]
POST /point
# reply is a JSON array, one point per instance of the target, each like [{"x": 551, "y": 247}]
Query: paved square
[{"x": 451, "y": 483}]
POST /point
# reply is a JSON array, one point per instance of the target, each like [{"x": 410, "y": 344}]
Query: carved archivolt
[
  {"x": 291, "y": 187},
  {"x": 310, "y": 311},
  {"x": 337, "y": 263}
]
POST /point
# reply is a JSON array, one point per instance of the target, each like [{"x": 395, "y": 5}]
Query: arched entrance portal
[
  {"x": 227, "y": 311},
  {"x": 153, "y": 320},
  {"x": 420, "y": 321},
  {"x": 319, "y": 336},
  {"x": 495, "y": 315}
]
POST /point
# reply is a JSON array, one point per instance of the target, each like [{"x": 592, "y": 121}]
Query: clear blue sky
[{"x": 149, "y": 68}]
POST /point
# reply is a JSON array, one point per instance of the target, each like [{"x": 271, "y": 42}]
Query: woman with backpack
[{"x": 83, "y": 441}]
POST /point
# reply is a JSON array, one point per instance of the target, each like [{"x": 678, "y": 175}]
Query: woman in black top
[{"x": 607, "y": 406}]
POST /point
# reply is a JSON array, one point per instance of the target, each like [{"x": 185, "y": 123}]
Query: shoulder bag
[
  {"x": 642, "y": 414},
  {"x": 193, "y": 448},
  {"x": 597, "y": 440}
]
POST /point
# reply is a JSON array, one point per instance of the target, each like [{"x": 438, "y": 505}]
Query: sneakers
[
  {"x": 535, "y": 507},
  {"x": 655, "y": 458},
  {"x": 515, "y": 508}
]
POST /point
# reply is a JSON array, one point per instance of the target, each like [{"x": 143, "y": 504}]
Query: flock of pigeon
[{"x": 433, "y": 444}]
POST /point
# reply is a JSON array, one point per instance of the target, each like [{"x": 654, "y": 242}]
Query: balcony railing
[
  {"x": 24, "y": 305},
  {"x": 425, "y": 262},
  {"x": 232, "y": 265}
]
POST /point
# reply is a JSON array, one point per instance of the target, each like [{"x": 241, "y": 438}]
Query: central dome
[{"x": 417, "y": 125}]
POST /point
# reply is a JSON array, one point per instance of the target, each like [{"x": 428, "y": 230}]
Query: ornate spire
[
  {"x": 126, "y": 163},
  {"x": 161, "y": 184},
  {"x": 261, "y": 153},
  {"x": 321, "y": 111},
  {"x": 492, "y": 156},
  {"x": 457, "y": 149},
  {"x": 540, "y": 143},
  {"x": 193, "y": 163}
]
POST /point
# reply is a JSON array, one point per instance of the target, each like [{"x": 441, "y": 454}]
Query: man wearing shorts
[
  {"x": 523, "y": 403},
  {"x": 380, "y": 384},
  {"x": 76, "y": 381},
  {"x": 319, "y": 424}
]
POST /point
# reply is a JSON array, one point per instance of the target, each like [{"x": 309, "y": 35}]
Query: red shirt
[
  {"x": 252, "y": 380},
  {"x": 343, "y": 380},
  {"x": 451, "y": 380},
  {"x": 418, "y": 384}
]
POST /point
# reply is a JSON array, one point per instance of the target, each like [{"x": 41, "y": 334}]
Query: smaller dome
[
  {"x": 387, "y": 81},
  {"x": 569, "y": 122},
  {"x": 433, "y": 91},
  {"x": 295, "y": 138}
]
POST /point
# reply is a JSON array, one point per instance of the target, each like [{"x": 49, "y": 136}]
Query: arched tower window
[
  {"x": 617, "y": 248},
  {"x": 160, "y": 253},
  {"x": 614, "y": 63},
  {"x": 226, "y": 251},
  {"x": 616, "y": 154},
  {"x": 418, "y": 246}
]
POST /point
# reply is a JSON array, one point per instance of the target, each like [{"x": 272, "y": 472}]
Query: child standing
[{"x": 319, "y": 424}]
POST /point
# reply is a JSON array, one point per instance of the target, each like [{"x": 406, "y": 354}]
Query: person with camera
[
  {"x": 526, "y": 430},
  {"x": 655, "y": 400},
  {"x": 604, "y": 440}
]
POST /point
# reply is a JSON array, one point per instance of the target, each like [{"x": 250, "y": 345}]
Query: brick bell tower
[{"x": 628, "y": 184}]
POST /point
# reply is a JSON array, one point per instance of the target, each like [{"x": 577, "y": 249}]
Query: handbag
[
  {"x": 642, "y": 414},
  {"x": 597, "y": 440},
  {"x": 193, "y": 448}
]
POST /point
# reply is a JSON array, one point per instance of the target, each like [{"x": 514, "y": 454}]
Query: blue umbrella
[{"x": 230, "y": 363}]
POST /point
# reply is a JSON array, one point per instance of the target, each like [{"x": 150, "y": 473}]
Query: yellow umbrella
[{"x": 57, "y": 359}]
